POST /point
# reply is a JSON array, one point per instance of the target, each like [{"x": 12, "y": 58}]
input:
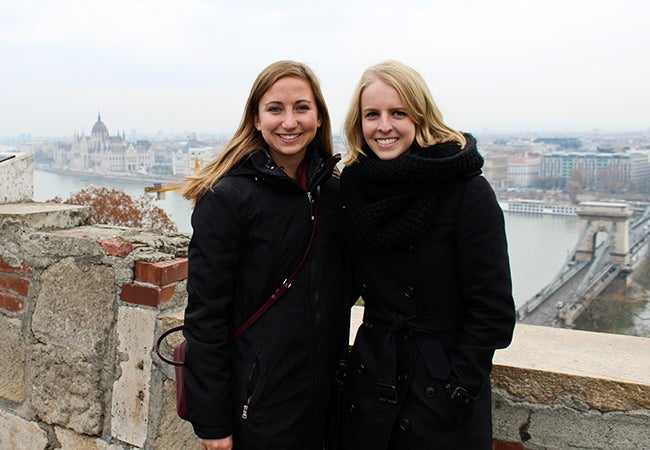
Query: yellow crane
[{"x": 160, "y": 188}]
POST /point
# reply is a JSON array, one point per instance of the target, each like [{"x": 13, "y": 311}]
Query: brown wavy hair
[{"x": 247, "y": 138}]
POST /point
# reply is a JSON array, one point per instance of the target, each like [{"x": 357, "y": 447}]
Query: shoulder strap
[
  {"x": 284, "y": 287},
  {"x": 286, "y": 284}
]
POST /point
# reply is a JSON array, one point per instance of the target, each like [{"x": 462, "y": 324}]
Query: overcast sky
[{"x": 171, "y": 65}]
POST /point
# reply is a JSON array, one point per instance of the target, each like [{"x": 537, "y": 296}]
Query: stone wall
[{"x": 81, "y": 307}]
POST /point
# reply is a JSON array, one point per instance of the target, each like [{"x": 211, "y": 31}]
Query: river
[{"x": 538, "y": 244}]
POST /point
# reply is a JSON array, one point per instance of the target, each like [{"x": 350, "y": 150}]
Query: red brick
[
  {"x": 14, "y": 285},
  {"x": 161, "y": 273},
  {"x": 147, "y": 295},
  {"x": 11, "y": 303},
  {"x": 116, "y": 247},
  {"x": 502, "y": 445},
  {"x": 7, "y": 268}
]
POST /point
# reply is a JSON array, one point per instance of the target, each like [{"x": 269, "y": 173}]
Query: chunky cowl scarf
[{"x": 389, "y": 204}]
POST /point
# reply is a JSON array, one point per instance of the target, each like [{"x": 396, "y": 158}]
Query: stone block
[
  {"x": 602, "y": 370},
  {"x": 131, "y": 390},
  {"x": 17, "y": 175},
  {"x": 17, "y": 433},
  {"x": 161, "y": 273},
  {"x": 12, "y": 360},
  {"x": 41, "y": 216},
  {"x": 70, "y": 440},
  {"x": 65, "y": 388},
  {"x": 173, "y": 432},
  {"x": 75, "y": 307}
]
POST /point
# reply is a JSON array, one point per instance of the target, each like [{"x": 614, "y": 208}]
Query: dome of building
[{"x": 99, "y": 127}]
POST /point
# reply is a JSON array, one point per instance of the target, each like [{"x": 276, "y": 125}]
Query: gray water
[{"x": 538, "y": 244}]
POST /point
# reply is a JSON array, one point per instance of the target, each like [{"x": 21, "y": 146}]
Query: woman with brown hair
[{"x": 255, "y": 208}]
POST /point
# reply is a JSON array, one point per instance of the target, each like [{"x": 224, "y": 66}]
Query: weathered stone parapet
[
  {"x": 556, "y": 388},
  {"x": 78, "y": 367},
  {"x": 559, "y": 388}
]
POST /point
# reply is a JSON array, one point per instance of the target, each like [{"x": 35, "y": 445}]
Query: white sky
[{"x": 170, "y": 65}]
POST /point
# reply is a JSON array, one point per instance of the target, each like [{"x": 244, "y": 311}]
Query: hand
[{"x": 217, "y": 444}]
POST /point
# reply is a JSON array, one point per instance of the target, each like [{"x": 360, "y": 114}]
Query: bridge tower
[{"x": 612, "y": 218}]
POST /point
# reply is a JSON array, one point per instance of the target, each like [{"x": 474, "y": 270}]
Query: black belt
[{"x": 423, "y": 327}]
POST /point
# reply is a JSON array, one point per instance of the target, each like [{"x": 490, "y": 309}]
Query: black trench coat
[
  {"x": 250, "y": 232},
  {"x": 419, "y": 371}
]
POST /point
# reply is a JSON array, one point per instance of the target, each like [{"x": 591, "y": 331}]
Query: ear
[
  {"x": 257, "y": 122},
  {"x": 320, "y": 121}
]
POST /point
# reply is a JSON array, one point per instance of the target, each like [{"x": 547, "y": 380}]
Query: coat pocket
[{"x": 251, "y": 385}]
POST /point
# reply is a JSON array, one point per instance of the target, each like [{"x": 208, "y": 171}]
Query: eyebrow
[{"x": 281, "y": 103}]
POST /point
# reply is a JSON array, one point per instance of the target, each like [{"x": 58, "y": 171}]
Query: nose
[
  {"x": 384, "y": 124},
  {"x": 289, "y": 121}
]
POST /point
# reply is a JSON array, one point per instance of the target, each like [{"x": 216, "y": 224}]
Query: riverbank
[{"x": 121, "y": 177}]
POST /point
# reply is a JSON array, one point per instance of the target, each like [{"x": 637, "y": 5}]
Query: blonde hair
[
  {"x": 418, "y": 105},
  {"x": 247, "y": 138}
]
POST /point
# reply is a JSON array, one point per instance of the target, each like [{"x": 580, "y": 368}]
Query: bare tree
[{"x": 114, "y": 207}]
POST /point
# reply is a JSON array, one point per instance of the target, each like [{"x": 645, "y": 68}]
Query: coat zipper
[
  {"x": 250, "y": 387},
  {"x": 310, "y": 197}
]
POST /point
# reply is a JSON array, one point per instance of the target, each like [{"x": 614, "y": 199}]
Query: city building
[
  {"x": 597, "y": 169},
  {"x": 495, "y": 170},
  {"x": 193, "y": 154},
  {"x": 523, "y": 171},
  {"x": 102, "y": 153}
]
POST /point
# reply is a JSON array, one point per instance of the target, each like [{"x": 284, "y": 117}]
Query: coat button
[
  {"x": 408, "y": 335},
  {"x": 408, "y": 292},
  {"x": 361, "y": 369},
  {"x": 430, "y": 391},
  {"x": 402, "y": 377},
  {"x": 368, "y": 325},
  {"x": 404, "y": 423},
  {"x": 351, "y": 408},
  {"x": 363, "y": 287}
]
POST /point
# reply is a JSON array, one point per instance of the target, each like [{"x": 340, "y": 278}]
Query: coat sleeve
[
  {"x": 213, "y": 261},
  {"x": 485, "y": 286}
]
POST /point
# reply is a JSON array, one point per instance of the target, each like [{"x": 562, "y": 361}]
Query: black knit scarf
[{"x": 389, "y": 204}]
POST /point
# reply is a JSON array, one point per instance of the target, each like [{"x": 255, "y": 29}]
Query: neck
[{"x": 289, "y": 163}]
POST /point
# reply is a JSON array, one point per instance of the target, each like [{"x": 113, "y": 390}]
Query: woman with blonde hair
[
  {"x": 257, "y": 207},
  {"x": 429, "y": 258}
]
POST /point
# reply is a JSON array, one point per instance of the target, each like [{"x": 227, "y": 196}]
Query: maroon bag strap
[
  {"x": 286, "y": 284},
  {"x": 284, "y": 287}
]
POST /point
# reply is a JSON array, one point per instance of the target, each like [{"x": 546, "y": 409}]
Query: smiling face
[
  {"x": 387, "y": 129},
  {"x": 288, "y": 119}
]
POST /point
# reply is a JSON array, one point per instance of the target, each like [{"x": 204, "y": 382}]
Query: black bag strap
[
  {"x": 284, "y": 287},
  {"x": 160, "y": 341}
]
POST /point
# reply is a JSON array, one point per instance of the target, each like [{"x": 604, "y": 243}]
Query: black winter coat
[
  {"x": 250, "y": 232},
  {"x": 435, "y": 311}
]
